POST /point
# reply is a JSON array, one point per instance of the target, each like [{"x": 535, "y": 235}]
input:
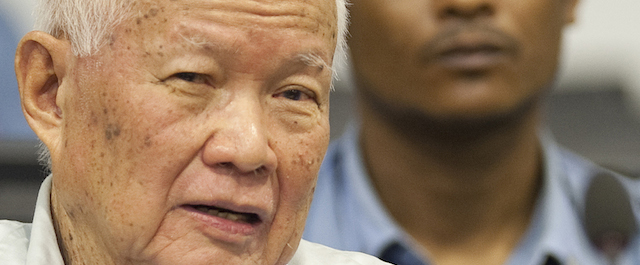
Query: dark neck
[{"x": 455, "y": 186}]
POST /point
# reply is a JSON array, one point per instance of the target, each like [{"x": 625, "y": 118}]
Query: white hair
[
  {"x": 340, "y": 54},
  {"x": 88, "y": 24}
]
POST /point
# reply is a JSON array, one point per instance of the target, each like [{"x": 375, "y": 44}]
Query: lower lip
[
  {"x": 223, "y": 229},
  {"x": 472, "y": 61}
]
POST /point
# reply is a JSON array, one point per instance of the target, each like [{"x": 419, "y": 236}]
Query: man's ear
[
  {"x": 41, "y": 64},
  {"x": 570, "y": 11}
]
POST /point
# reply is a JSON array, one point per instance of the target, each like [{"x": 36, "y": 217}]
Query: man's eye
[
  {"x": 191, "y": 77},
  {"x": 295, "y": 94},
  {"x": 292, "y": 94}
]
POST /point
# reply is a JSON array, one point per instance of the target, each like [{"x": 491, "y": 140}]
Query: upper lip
[{"x": 467, "y": 40}]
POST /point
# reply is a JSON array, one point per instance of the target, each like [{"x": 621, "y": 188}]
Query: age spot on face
[
  {"x": 153, "y": 12},
  {"x": 147, "y": 141},
  {"x": 94, "y": 120},
  {"x": 112, "y": 131}
]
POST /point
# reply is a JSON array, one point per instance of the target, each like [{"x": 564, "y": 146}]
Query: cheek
[
  {"x": 146, "y": 149},
  {"x": 125, "y": 150},
  {"x": 299, "y": 159},
  {"x": 540, "y": 25},
  {"x": 83, "y": 145}
]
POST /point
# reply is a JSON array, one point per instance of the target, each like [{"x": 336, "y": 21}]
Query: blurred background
[{"x": 594, "y": 109}]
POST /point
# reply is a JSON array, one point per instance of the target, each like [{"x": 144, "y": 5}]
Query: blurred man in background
[{"x": 448, "y": 162}]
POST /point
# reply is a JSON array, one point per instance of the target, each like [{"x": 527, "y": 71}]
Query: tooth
[
  {"x": 236, "y": 217},
  {"x": 242, "y": 218},
  {"x": 223, "y": 215},
  {"x": 232, "y": 217},
  {"x": 213, "y": 212}
]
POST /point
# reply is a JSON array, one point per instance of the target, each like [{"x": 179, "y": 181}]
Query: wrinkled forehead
[
  {"x": 315, "y": 15},
  {"x": 217, "y": 22}
]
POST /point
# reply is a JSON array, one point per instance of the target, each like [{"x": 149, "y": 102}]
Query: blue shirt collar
[
  {"x": 555, "y": 228},
  {"x": 380, "y": 230}
]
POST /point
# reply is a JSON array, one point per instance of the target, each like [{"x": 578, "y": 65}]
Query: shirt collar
[
  {"x": 43, "y": 245},
  {"x": 380, "y": 230},
  {"x": 555, "y": 228}
]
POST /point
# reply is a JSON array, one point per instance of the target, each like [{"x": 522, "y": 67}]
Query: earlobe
[{"x": 40, "y": 66}]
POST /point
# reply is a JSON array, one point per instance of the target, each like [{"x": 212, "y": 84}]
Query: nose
[
  {"x": 240, "y": 142},
  {"x": 465, "y": 9}
]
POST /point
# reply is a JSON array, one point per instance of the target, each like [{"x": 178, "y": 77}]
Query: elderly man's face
[
  {"x": 196, "y": 136},
  {"x": 453, "y": 59}
]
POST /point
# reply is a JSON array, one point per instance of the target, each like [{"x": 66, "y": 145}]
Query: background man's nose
[{"x": 465, "y": 9}]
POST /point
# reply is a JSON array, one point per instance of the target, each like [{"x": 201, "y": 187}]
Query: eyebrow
[{"x": 313, "y": 60}]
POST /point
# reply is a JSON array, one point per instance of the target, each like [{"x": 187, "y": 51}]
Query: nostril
[
  {"x": 259, "y": 171},
  {"x": 449, "y": 12},
  {"x": 225, "y": 165},
  {"x": 485, "y": 10},
  {"x": 231, "y": 168},
  {"x": 467, "y": 12}
]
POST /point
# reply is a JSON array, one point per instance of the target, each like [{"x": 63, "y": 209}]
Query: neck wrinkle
[{"x": 77, "y": 247}]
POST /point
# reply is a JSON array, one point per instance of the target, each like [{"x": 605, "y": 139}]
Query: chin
[{"x": 462, "y": 121}]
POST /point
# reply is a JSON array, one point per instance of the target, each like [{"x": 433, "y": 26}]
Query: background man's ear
[{"x": 41, "y": 62}]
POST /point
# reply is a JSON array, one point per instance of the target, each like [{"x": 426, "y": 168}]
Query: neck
[
  {"x": 77, "y": 246},
  {"x": 461, "y": 191}
]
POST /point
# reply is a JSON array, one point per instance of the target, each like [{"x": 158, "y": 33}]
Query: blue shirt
[{"x": 346, "y": 212}]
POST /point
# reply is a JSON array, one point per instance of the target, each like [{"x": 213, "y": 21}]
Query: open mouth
[{"x": 248, "y": 218}]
